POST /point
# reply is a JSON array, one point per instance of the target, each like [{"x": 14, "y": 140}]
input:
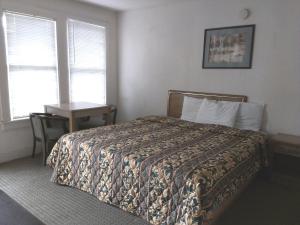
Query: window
[
  {"x": 87, "y": 62},
  {"x": 31, "y": 58},
  {"x": 32, "y": 63}
]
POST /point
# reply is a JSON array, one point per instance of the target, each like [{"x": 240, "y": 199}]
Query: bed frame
[{"x": 175, "y": 103}]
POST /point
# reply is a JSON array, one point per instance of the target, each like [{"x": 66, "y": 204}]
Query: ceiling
[{"x": 122, "y": 5}]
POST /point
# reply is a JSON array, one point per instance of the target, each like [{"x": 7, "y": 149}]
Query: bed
[{"x": 163, "y": 169}]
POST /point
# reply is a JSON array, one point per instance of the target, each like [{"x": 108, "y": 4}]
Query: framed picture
[{"x": 228, "y": 47}]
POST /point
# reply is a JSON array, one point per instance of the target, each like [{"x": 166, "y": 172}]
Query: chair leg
[
  {"x": 46, "y": 152},
  {"x": 34, "y": 147}
]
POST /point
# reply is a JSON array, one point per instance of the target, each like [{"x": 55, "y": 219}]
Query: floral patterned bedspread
[{"x": 166, "y": 170}]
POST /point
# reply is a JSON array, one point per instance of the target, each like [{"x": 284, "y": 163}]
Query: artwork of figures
[{"x": 228, "y": 47}]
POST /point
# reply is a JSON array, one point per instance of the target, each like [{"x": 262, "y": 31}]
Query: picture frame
[{"x": 228, "y": 47}]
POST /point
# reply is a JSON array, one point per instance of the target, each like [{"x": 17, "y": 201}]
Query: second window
[{"x": 87, "y": 62}]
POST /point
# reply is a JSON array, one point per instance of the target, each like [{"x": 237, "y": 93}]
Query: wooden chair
[{"x": 46, "y": 129}]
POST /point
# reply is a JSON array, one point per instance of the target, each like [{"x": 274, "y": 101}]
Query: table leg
[{"x": 72, "y": 125}]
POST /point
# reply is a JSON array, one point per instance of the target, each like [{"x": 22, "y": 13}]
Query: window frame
[
  {"x": 90, "y": 22},
  {"x": 4, "y": 92},
  {"x": 6, "y": 122},
  {"x": 11, "y": 119}
]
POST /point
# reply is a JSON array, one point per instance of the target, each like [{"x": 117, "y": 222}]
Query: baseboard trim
[{"x": 16, "y": 154}]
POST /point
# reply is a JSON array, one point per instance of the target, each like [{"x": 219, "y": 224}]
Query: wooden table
[
  {"x": 77, "y": 110},
  {"x": 286, "y": 144}
]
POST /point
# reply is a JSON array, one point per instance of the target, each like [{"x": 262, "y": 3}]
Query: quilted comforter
[{"x": 166, "y": 170}]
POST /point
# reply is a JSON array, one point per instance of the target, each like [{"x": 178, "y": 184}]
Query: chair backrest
[{"x": 37, "y": 125}]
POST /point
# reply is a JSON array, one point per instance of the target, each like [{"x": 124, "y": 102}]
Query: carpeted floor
[
  {"x": 13, "y": 213},
  {"x": 27, "y": 182}
]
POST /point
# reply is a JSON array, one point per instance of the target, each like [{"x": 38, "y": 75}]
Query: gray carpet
[
  {"x": 276, "y": 202},
  {"x": 13, "y": 213},
  {"x": 27, "y": 182}
]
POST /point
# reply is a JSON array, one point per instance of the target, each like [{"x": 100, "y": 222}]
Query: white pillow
[
  {"x": 190, "y": 108},
  {"x": 218, "y": 112},
  {"x": 250, "y": 116}
]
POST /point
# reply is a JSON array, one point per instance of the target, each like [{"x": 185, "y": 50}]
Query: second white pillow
[{"x": 218, "y": 112}]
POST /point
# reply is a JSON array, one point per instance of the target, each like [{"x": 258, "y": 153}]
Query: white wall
[
  {"x": 16, "y": 137},
  {"x": 161, "y": 48}
]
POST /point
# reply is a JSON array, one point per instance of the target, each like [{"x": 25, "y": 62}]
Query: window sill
[{"x": 16, "y": 124}]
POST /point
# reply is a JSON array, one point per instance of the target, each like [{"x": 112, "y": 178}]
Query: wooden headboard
[{"x": 175, "y": 101}]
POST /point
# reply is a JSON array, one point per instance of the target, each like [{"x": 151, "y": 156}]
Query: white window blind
[
  {"x": 87, "y": 62},
  {"x": 32, "y": 63}
]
